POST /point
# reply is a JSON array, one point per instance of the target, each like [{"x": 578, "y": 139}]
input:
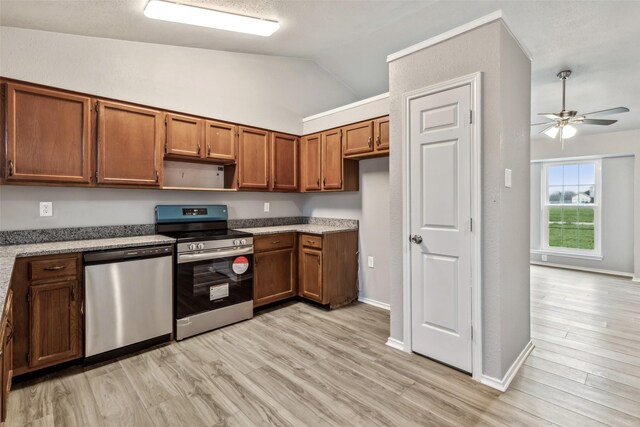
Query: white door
[{"x": 440, "y": 191}]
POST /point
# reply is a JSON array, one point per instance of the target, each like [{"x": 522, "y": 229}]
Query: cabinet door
[
  {"x": 284, "y": 162},
  {"x": 311, "y": 154},
  {"x": 129, "y": 145},
  {"x": 55, "y": 333},
  {"x": 48, "y": 135},
  {"x": 253, "y": 158},
  {"x": 6, "y": 338},
  {"x": 273, "y": 276},
  {"x": 381, "y": 131},
  {"x": 358, "y": 138},
  {"x": 311, "y": 274},
  {"x": 220, "y": 139},
  {"x": 184, "y": 135},
  {"x": 332, "y": 160}
]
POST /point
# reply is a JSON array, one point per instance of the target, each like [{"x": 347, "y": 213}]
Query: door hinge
[
  {"x": 470, "y": 116},
  {"x": 95, "y": 107},
  {"x": 165, "y": 148},
  {"x": 471, "y": 332},
  {"x": 96, "y": 175},
  {"x": 470, "y": 224}
]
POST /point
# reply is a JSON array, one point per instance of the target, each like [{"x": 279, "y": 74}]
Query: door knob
[{"x": 417, "y": 239}]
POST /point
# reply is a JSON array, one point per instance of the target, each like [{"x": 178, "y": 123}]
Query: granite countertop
[
  {"x": 8, "y": 254},
  {"x": 300, "y": 228}
]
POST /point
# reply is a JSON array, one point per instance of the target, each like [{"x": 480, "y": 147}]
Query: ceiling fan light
[
  {"x": 568, "y": 131},
  {"x": 202, "y": 17},
  {"x": 552, "y": 132}
]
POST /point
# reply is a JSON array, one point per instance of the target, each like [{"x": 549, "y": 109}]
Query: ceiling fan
[{"x": 562, "y": 123}]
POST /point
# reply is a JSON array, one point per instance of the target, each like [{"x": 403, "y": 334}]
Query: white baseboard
[
  {"x": 635, "y": 279},
  {"x": 503, "y": 384},
  {"x": 374, "y": 303},
  {"x": 587, "y": 269},
  {"x": 398, "y": 345}
]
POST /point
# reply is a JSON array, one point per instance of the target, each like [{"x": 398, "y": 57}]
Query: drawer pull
[
  {"x": 275, "y": 242},
  {"x": 310, "y": 242},
  {"x": 55, "y": 268}
]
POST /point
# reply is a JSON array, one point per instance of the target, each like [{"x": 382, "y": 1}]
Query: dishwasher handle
[{"x": 127, "y": 254}]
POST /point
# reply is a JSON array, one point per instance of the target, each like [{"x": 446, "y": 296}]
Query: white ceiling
[{"x": 598, "y": 40}]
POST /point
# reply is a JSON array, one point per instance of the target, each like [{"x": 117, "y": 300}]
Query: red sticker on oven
[{"x": 240, "y": 265}]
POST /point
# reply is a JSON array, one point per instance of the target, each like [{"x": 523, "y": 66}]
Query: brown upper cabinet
[
  {"x": 129, "y": 145},
  {"x": 381, "y": 133},
  {"x": 310, "y": 162},
  {"x": 358, "y": 138},
  {"x": 332, "y": 160},
  {"x": 220, "y": 141},
  {"x": 48, "y": 135},
  {"x": 184, "y": 135},
  {"x": 253, "y": 159},
  {"x": 367, "y": 139},
  {"x": 284, "y": 162},
  {"x": 323, "y": 166}
]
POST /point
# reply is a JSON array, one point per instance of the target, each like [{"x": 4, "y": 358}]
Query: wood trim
[
  {"x": 346, "y": 124},
  {"x": 502, "y": 384}
]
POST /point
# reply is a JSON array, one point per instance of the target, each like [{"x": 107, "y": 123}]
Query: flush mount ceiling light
[{"x": 191, "y": 15}]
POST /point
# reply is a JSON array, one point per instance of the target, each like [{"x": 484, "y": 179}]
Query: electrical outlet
[
  {"x": 46, "y": 208},
  {"x": 544, "y": 257},
  {"x": 267, "y": 206},
  {"x": 370, "y": 262}
]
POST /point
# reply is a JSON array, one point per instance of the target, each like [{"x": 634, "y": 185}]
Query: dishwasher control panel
[{"x": 147, "y": 251}]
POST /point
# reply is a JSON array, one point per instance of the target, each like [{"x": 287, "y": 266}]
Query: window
[{"x": 571, "y": 207}]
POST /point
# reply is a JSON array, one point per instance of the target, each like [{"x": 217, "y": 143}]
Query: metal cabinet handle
[
  {"x": 324, "y": 181},
  {"x": 198, "y": 149},
  {"x": 208, "y": 149},
  {"x": 55, "y": 268},
  {"x": 310, "y": 242},
  {"x": 318, "y": 259},
  {"x": 157, "y": 176},
  {"x": 10, "y": 167},
  {"x": 318, "y": 183},
  {"x": 369, "y": 142},
  {"x": 275, "y": 242},
  {"x": 417, "y": 239},
  {"x": 378, "y": 141}
]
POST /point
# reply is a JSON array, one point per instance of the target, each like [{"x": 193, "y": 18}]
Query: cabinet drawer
[
  {"x": 273, "y": 241},
  {"x": 311, "y": 241},
  {"x": 52, "y": 268}
]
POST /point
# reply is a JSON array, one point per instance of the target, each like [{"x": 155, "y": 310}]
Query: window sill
[{"x": 594, "y": 257}]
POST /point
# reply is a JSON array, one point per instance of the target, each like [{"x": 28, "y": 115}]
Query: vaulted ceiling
[{"x": 598, "y": 40}]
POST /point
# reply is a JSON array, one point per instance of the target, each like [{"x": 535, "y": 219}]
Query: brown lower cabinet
[
  {"x": 47, "y": 307},
  {"x": 274, "y": 274},
  {"x": 321, "y": 268},
  {"x": 6, "y": 352}
]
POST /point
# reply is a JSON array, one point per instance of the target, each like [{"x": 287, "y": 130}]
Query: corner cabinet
[
  {"x": 48, "y": 135},
  {"x": 328, "y": 268},
  {"x": 274, "y": 273},
  {"x": 129, "y": 145},
  {"x": 47, "y": 304}
]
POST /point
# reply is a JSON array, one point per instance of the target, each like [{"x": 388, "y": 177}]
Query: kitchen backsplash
[{"x": 20, "y": 237}]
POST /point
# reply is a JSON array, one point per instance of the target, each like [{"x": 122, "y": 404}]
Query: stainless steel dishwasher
[{"x": 128, "y": 300}]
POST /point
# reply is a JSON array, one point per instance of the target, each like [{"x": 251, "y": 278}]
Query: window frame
[{"x": 596, "y": 252}]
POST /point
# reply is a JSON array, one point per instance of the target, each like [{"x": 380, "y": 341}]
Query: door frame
[{"x": 475, "y": 82}]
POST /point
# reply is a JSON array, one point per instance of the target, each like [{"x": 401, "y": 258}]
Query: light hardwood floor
[{"x": 300, "y": 365}]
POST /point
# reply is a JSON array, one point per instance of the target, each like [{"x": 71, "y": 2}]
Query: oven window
[{"x": 211, "y": 284}]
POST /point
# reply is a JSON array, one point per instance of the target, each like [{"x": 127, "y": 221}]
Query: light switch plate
[
  {"x": 507, "y": 178},
  {"x": 46, "y": 208},
  {"x": 370, "y": 262},
  {"x": 267, "y": 206}
]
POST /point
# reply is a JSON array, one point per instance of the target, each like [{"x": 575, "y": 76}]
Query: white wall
[
  {"x": 616, "y": 218},
  {"x": 83, "y": 207},
  {"x": 506, "y": 95},
  {"x": 369, "y": 108},
  {"x": 264, "y": 91},
  {"x": 602, "y": 145}
]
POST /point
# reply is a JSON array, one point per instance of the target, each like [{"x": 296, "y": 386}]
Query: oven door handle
[{"x": 218, "y": 253}]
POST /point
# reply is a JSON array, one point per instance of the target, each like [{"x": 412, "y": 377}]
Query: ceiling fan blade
[
  {"x": 602, "y": 122},
  {"x": 547, "y": 128},
  {"x": 608, "y": 112},
  {"x": 551, "y": 116},
  {"x": 545, "y": 123}
]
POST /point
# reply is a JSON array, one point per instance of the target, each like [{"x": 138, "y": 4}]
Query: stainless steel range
[{"x": 213, "y": 267}]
